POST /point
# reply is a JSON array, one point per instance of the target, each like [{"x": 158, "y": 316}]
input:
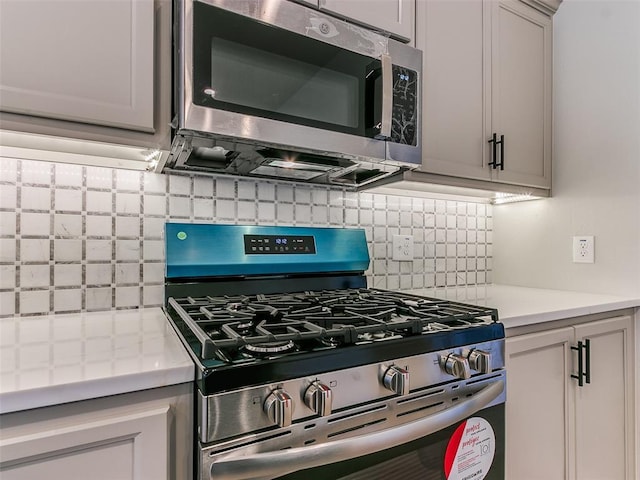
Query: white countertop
[
  {"x": 48, "y": 360},
  {"x": 518, "y": 306},
  {"x": 53, "y": 359}
]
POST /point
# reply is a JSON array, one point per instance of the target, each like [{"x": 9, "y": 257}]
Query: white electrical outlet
[
  {"x": 584, "y": 249},
  {"x": 402, "y": 248}
]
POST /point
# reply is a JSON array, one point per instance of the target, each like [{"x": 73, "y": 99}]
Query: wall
[
  {"x": 596, "y": 160},
  {"x": 76, "y": 238}
]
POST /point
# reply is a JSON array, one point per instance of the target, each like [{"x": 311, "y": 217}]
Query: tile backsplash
[{"x": 77, "y": 238}]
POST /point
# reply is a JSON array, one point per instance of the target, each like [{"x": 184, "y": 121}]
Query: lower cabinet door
[
  {"x": 129, "y": 446},
  {"x": 539, "y": 424},
  {"x": 604, "y": 415}
]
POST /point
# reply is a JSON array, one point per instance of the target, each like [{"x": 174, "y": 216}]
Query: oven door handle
[{"x": 275, "y": 464}]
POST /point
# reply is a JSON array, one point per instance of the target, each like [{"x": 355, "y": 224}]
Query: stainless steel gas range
[{"x": 304, "y": 372}]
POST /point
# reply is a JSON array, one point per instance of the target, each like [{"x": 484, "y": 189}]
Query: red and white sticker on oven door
[{"x": 470, "y": 450}]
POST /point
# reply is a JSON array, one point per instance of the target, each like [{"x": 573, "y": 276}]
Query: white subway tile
[
  {"x": 128, "y": 250},
  {"x": 154, "y": 183},
  {"x": 67, "y": 275},
  {"x": 155, "y": 205},
  {"x": 99, "y": 202},
  {"x": 99, "y": 178},
  {"x": 179, "y": 207},
  {"x": 68, "y": 174},
  {"x": 34, "y": 301},
  {"x": 8, "y": 223},
  {"x": 225, "y": 187},
  {"x": 7, "y": 309},
  {"x": 203, "y": 208},
  {"x": 127, "y": 297},
  {"x": 99, "y": 225},
  {"x": 99, "y": 299},
  {"x": 67, "y": 300},
  {"x": 36, "y": 172},
  {"x": 266, "y": 212},
  {"x": 246, "y": 189},
  {"x": 266, "y": 191},
  {"x": 65, "y": 225},
  {"x": 225, "y": 209},
  {"x": 179, "y": 185},
  {"x": 128, "y": 226},
  {"x": 8, "y": 250},
  {"x": 203, "y": 186},
  {"x": 128, "y": 180},
  {"x": 67, "y": 250},
  {"x": 99, "y": 274},
  {"x": 246, "y": 210},
  {"x": 128, "y": 203},
  {"x": 99, "y": 250},
  {"x": 31, "y": 198},
  {"x": 8, "y": 276},
  {"x": 127, "y": 273},
  {"x": 36, "y": 224}
]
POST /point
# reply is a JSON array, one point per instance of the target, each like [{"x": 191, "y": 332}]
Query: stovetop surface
[{"x": 256, "y": 333}]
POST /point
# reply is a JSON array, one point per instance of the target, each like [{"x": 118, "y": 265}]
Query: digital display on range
[{"x": 279, "y": 244}]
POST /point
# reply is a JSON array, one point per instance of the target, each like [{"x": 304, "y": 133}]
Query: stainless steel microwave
[{"x": 273, "y": 88}]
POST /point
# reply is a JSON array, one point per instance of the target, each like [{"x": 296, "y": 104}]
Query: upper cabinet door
[
  {"x": 396, "y": 17},
  {"x": 521, "y": 92},
  {"x": 89, "y": 61},
  {"x": 454, "y": 38}
]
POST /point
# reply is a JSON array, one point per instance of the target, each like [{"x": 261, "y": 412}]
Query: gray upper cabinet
[
  {"x": 96, "y": 69},
  {"x": 396, "y": 17},
  {"x": 487, "y": 69}
]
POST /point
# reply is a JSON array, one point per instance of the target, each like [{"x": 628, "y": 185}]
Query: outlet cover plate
[
  {"x": 584, "y": 249},
  {"x": 403, "y": 248}
]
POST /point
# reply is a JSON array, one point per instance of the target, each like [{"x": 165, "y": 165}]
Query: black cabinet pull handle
[
  {"x": 581, "y": 374},
  {"x": 587, "y": 356},
  {"x": 494, "y": 152}
]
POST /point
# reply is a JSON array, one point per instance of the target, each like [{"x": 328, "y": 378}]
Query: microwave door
[{"x": 259, "y": 82}]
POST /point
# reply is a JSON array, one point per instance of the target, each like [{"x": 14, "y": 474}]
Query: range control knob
[
  {"x": 279, "y": 407},
  {"x": 456, "y": 365},
  {"x": 396, "y": 379},
  {"x": 318, "y": 397},
  {"x": 480, "y": 361}
]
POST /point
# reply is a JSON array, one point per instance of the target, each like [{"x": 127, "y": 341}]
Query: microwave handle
[
  {"x": 387, "y": 97},
  {"x": 268, "y": 465}
]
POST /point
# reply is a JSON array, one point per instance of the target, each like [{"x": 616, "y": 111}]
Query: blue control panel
[{"x": 204, "y": 250}]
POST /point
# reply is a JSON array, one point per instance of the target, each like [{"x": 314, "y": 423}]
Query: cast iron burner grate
[{"x": 259, "y": 325}]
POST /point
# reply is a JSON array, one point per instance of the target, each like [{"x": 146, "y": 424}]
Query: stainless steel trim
[
  {"x": 387, "y": 97},
  {"x": 243, "y": 408},
  {"x": 274, "y": 464}
]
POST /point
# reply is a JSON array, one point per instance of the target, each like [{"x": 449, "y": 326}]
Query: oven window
[
  {"x": 423, "y": 459},
  {"x": 248, "y": 67}
]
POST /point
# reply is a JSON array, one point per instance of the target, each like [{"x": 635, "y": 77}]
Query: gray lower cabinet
[
  {"x": 94, "y": 70},
  {"x": 487, "y": 70},
  {"x": 558, "y": 428},
  {"x": 141, "y": 435}
]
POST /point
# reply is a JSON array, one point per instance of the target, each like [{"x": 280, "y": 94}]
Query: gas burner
[
  {"x": 331, "y": 341},
  {"x": 270, "y": 348},
  {"x": 377, "y": 336}
]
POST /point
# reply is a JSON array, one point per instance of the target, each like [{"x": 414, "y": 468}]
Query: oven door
[
  {"x": 463, "y": 442},
  {"x": 286, "y": 75}
]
